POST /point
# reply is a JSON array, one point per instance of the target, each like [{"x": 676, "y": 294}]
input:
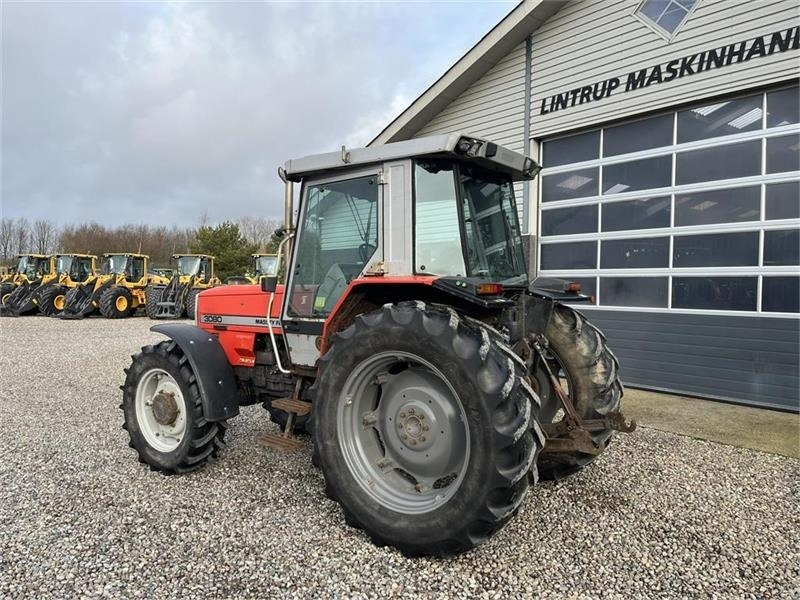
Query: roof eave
[{"x": 523, "y": 20}]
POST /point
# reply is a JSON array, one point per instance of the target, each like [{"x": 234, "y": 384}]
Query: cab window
[{"x": 338, "y": 236}]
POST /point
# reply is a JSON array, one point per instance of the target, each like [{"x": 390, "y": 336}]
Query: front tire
[
  {"x": 52, "y": 299},
  {"x": 5, "y": 292},
  {"x": 589, "y": 374},
  {"x": 424, "y": 429},
  {"x": 191, "y": 304},
  {"x": 163, "y": 413},
  {"x": 153, "y": 297},
  {"x": 116, "y": 302}
]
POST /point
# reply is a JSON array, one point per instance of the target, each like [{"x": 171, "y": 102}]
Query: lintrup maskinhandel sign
[{"x": 717, "y": 58}]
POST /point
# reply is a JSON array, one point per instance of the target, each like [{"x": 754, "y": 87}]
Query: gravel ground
[{"x": 659, "y": 515}]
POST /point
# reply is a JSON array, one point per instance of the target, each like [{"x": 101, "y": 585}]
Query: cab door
[{"x": 338, "y": 238}]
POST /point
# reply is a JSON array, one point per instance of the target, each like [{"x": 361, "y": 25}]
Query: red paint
[{"x": 218, "y": 306}]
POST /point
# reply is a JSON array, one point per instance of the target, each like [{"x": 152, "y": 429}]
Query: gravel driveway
[{"x": 659, "y": 515}]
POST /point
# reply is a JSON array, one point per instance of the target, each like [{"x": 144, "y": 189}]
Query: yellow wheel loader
[
  {"x": 30, "y": 273},
  {"x": 263, "y": 265},
  {"x": 116, "y": 293},
  {"x": 173, "y": 298},
  {"x": 72, "y": 271},
  {"x": 28, "y": 268}
]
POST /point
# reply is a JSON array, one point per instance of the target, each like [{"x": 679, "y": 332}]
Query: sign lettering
[{"x": 724, "y": 56}]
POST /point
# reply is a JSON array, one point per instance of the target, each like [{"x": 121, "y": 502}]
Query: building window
[
  {"x": 665, "y": 15},
  {"x": 691, "y": 210}
]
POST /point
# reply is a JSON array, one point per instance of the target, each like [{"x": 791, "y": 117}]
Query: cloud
[{"x": 150, "y": 112}]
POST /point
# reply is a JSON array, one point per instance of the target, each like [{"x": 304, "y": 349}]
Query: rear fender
[
  {"x": 555, "y": 289},
  {"x": 215, "y": 378}
]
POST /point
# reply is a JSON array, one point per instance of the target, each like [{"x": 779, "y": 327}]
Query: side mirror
[{"x": 269, "y": 284}]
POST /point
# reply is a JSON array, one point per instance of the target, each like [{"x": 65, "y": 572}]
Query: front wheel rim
[
  {"x": 121, "y": 303},
  {"x": 403, "y": 432},
  {"x": 160, "y": 410}
]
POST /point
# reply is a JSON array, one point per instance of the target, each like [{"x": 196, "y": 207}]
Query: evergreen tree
[{"x": 228, "y": 245}]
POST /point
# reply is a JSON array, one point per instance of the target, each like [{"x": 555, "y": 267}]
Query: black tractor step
[
  {"x": 278, "y": 441},
  {"x": 292, "y": 405}
]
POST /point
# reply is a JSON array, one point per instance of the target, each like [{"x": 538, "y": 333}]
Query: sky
[{"x": 160, "y": 112}]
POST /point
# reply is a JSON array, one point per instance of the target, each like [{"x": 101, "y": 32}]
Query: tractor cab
[
  {"x": 199, "y": 266},
  {"x": 131, "y": 267},
  {"x": 437, "y": 211},
  {"x": 74, "y": 269},
  {"x": 33, "y": 266}
]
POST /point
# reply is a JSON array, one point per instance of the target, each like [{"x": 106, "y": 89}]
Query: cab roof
[
  {"x": 75, "y": 254},
  {"x": 454, "y": 145},
  {"x": 34, "y": 255},
  {"x": 133, "y": 254},
  {"x": 198, "y": 255}
]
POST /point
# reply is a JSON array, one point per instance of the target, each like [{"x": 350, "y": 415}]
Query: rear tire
[
  {"x": 579, "y": 350},
  {"x": 163, "y": 413},
  {"x": 115, "y": 302},
  {"x": 468, "y": 418},
  {"x": 153, "y": 294},
  {"x": 52, "y": 299}
]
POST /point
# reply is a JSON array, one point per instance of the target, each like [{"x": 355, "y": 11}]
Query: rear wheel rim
[
  {"x": 157, "y": 389},
  {"x": 59, "y": 302},
  {"x": 121, "y": 303},
  {"x": 403, "y": 432}
]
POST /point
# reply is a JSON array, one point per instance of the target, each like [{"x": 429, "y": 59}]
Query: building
[{"x": 668, "y": 132}]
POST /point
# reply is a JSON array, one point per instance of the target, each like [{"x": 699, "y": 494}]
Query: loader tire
[
  {"x": 153, "y": 294},
  {"x": 5, "y": 292},
  {"x": 163, "y": 413},
  {"x": 52, "y": 299},
  {"x": 426, "y": 429},
  {"x": 191, "y": 304},
  {"x": 579, "y": 351},
  {"x": 116, "y": 302}
]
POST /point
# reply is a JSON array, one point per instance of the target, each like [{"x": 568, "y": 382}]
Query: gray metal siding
[
  {"x": 750, "y": 360},
  {"x": 492, "y": 108},
  {"x": 590, "y": 41}
]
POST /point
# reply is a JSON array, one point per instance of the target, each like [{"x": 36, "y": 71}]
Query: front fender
[{"x": 215, "y": 378}]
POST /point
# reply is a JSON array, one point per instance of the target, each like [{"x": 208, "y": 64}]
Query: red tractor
[{"x": 436, "y": 381}]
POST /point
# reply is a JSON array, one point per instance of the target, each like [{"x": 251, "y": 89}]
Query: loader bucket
[
  {"x": 167, "y": 310},
  {"x": 21, "y": 300},
  {"x": 78, "y": 303},
  {"x": 172, "y": 301}
]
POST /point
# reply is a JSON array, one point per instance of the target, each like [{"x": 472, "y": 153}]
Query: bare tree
[
  {"x": 258, "y": 230},
  {"x": 21, "y": 238},
  {"x": 6, "y": 239},
  {"x": 43, "y": 236},
  {"x": 203, "y": 220}
]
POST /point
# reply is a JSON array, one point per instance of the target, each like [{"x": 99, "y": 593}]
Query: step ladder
[{"x": 294, "y": 407}]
